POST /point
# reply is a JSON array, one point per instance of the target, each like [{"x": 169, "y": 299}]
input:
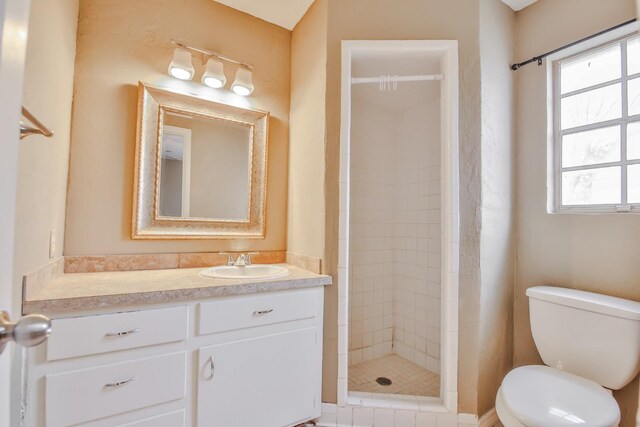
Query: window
[{"x": 597, "y": 129}]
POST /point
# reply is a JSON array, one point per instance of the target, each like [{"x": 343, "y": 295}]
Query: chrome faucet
[
  {"x": 229, "y": 258},
  {"x": 242, "y": 260}
]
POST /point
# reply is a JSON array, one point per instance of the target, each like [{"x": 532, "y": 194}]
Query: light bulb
[
  {"x": 180, "y": 73},
  {"x": 213, "y": 82},
  {"x": 241, "y": 90}
]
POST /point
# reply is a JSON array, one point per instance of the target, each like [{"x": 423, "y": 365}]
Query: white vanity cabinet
[
  {"x": 236, "y": 361},
  {"x": 255, "y": 378},
  {"x": 96, "y": 367}
]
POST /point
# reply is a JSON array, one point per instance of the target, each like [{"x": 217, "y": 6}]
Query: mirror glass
[{"x": 205, "y": 167}]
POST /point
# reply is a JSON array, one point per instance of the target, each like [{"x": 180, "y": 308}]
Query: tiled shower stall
[{"x": 395, "y": 242}]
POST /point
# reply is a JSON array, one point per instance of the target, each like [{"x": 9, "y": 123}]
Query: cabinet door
[{"x": 269, "y": 381}]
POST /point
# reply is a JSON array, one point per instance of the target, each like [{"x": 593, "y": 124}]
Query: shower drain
[{"x": 383, "y": 381}]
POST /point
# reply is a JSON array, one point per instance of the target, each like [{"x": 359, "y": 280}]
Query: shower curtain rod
[
  {"x": 539, "y": 58},
  {"x": 394, "y": 78}
]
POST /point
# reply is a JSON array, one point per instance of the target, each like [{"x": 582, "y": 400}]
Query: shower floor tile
[{"x": 407, "y": 378}]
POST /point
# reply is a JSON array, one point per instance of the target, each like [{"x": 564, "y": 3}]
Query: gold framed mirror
[{"x": 200, "y": 168}]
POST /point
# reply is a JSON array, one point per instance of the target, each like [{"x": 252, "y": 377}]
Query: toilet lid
[{"x": 540, "y": 396}]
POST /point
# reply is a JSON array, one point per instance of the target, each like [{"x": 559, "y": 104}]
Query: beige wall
[
  {"x": 599, "y": 253},
  {"x": 122, "y": 42},
  {"x": 306, "y": 220},
  {"x": 305, "y": 225},
  {"x": 43, "y": 162},
  {"x": 495, "y": 334},
  {"x": 412, "y": 19}
]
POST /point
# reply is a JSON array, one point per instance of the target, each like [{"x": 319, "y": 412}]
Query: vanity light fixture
[
  {"x": 181, "y": 66},
  {"x": 213, "y": 76},
  {"x": 214, "y": 73},
  {"x": 243, "y": 83}
]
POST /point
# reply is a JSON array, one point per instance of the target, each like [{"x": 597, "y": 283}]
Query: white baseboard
[{"x": 490, "y": 419}]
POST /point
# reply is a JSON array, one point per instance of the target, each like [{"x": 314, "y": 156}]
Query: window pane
[
  {"x": 633, "y": 184},
  {"x": 596, "y": 67},
  {"x": 633, "y": 141},
  {"x": 591, "y": 147},
  {"x": 633, "y": 56},
  {"x": 592, "y": 107},
  {"x": 591, "y": 187},
  {"x": 634, "y": 96}
]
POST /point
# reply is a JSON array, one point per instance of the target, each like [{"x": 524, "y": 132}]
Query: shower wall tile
[
  {"x": 417, "y": 235},
  {"x": 371, "y": 236},
  {"x": 394, "y": 247}
]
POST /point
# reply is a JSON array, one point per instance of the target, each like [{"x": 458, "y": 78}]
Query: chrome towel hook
[{"x": 39, "y": 128}]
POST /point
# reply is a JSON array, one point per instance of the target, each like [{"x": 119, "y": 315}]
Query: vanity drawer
[
  {"x": 83, "y": 336},
  {"x": 89, "y": 394},
  {"x": 239, "y": 312}
]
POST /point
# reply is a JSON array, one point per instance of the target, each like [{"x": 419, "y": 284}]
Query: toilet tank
[{"x": 587, "y": 334}]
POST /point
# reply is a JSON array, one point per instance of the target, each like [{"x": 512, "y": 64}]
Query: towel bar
[{"x": 39, "y": 128}]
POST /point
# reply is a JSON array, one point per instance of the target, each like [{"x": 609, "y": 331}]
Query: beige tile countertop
[{"x": 87, "y": 291}]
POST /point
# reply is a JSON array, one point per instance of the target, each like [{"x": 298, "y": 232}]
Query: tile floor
[{"x": 407, "y": 377}]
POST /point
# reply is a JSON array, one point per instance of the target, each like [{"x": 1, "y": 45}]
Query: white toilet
[{"x": 588, "y": 342}]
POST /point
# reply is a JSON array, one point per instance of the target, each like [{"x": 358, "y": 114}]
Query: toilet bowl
[
  {"x": 588, "y": 342},
  {"x": 540, "y": 396}
]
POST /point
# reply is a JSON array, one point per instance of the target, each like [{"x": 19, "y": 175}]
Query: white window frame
[{"x": 555, "y": 205}]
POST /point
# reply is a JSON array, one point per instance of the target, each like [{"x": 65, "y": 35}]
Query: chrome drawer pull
[
  {"x": 212, "y": 367},
  {"x": 123, "y": 333},
  {"x": 261, "y": 312},
  {"x": 120, "y": 383}
]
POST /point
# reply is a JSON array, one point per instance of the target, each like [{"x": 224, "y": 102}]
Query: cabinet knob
[
  {"x": 29, "y": 331},
  {"x": 261, "y": 312}
]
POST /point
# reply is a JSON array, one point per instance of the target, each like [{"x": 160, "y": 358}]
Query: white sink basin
[{"x": 254, "y": 271}]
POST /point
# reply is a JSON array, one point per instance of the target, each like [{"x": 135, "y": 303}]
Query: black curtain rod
[{"x": 539, "y": 58}]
